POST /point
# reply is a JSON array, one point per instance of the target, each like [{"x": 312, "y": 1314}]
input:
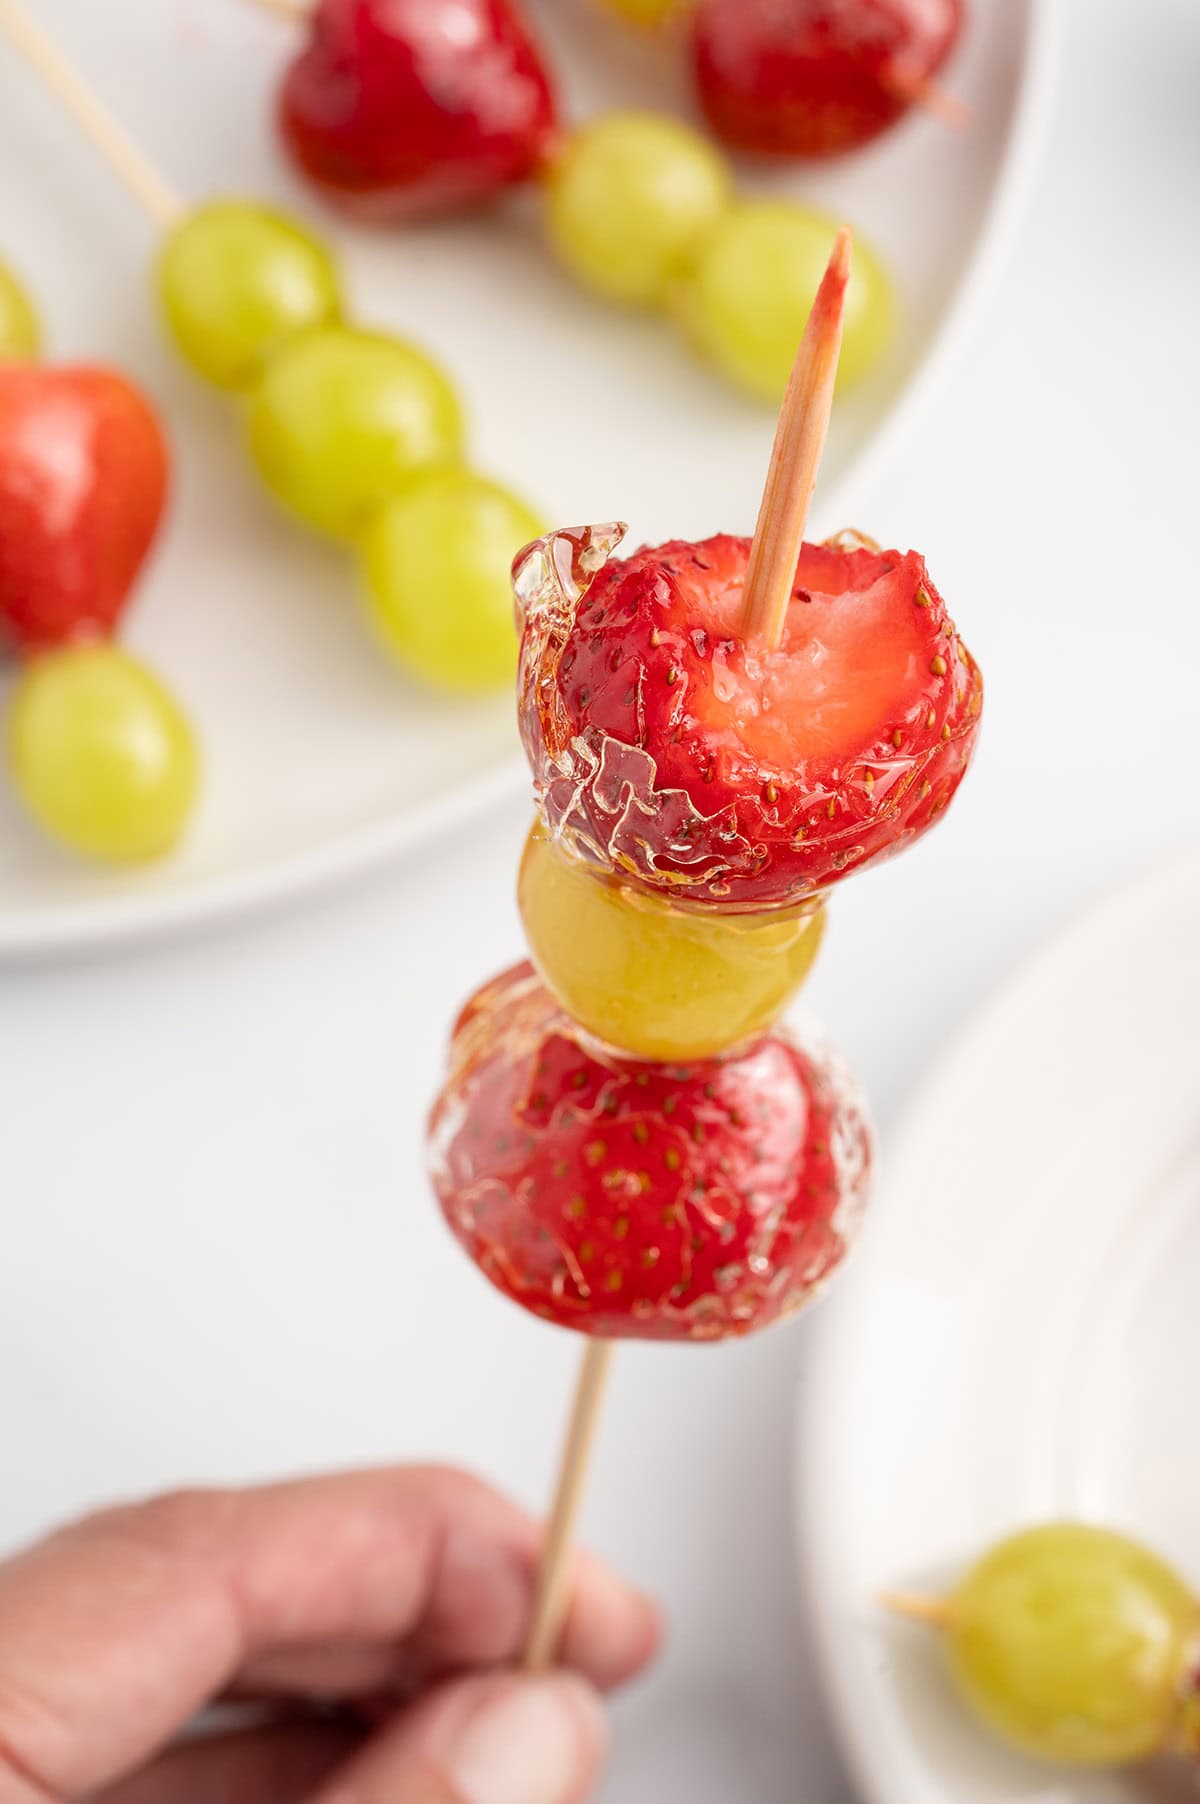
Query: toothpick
[
  {"x": 94, "y": 119},
  {"x": 795, "y": 458},
  {"x": 553, "y": 1593},
  {"x": 932, "y": 1610}
]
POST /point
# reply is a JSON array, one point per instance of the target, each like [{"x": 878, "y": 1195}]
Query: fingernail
[{"x": 536, "y": 1742}]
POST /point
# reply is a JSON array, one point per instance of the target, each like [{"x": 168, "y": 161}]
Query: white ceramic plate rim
[
  {"x": 1056, "y": 967},
  {"x": 30, "y": 934}
]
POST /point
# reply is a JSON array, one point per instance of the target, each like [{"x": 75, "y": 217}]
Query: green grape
[
  {"x": 628, "y": 199},
  {"x": 653, "y": 977},
  {"x": 236, "y": 281},
  {"x": 745, "y": 301},
  {"x": 20, "y": 334},
  {"x": 341, "y": 420},
  {"x": 101, "y": 754},
  {"x": 438, "y": 562},
  {"x": 1071, "y": 1641}
]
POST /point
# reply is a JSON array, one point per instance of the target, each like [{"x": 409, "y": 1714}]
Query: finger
[
  {"x": 281, "y": 1764},
  {"x": 115, "y": 1631},
  {"x": 500, "y": 1739}
]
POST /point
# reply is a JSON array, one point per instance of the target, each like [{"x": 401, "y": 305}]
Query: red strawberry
[
  {"x": 813, "y": 78},
  {"x": 83, "y": 480},
  {"x": 645, "y": 1201},
  {"x": 666, "y": 747},
  {"x": 409, "y": 107}
]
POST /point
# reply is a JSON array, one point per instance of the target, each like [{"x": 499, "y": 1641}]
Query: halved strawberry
[
  {"x": 814, "y": 78},
  {"x": 401, "y": 108},
  {"x": 666, "y": 746},
  {"x": 83, "y": 481},
  {"x": 644, "y": 1201}
]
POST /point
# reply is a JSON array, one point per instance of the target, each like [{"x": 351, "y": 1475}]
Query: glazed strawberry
[
  {"x": 666, "y": 746},
  {"x": 647, "y": 1201},
  {"x": 814, "y": 78},
  {"x": 409, "y": 107},
  {"x": 83, "y": 480}
]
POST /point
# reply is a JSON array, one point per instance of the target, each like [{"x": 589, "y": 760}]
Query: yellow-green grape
[
  {"x": 342, "y": 420},
  {"x": 1071, "y": 1642},
  {"x": 627, "y": 200},
  {"x": 746, "y": 299},
  {"x": 438, "y": 565},
  {"x": 237, "y": 281},
  {"x": 102, "y": 756},
  {"x": 20, "y": 335},
  {"x": 655, "y": 978}
]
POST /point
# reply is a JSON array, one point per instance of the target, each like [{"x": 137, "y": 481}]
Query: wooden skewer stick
[
  {"x": 553, "y": 1586},
  {"x": 93, "y": 118},
  {"x": 795, "y": 458},
  {"x": 932, "y": 1610}
]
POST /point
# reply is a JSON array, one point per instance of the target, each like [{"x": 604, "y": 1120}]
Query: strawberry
[
  {"x": 665, "y": 747},
  {"x": 409, "y": 107},
  {"x": 646, "y": 1201},
  {"x": 813, "y": 78},
  {"x": 83, "y": 481}
]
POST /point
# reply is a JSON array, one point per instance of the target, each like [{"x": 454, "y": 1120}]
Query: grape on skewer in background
[
  {"x": 640, "y": 209},
  {"x": 101, "y": 755},
  {"x": 1075, "y": 1644},
  {"x": 698, "y": 1174},
  {"x": 341, "y": 421}
]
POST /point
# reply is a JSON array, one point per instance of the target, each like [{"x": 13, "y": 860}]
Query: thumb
[{"x": 497, "y": 1739}]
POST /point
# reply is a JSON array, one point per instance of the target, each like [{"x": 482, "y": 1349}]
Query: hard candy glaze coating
[
  {"x": 667, "y": 749},
  {"x": 815, "y": 78},
  {"x": 644, "y": 1201},
  {"x": 399, "y": 108}
]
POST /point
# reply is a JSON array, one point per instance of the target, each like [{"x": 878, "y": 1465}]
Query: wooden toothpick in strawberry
[{"x": 718, "y": 732}]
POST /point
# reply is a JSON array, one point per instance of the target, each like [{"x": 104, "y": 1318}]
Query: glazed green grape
[
  {"x": 745, "y": 301},
  {"x": 653, "y": 977},
  {"x": 341, "y": 420},
  {"x": 628, "y": 199},
  {"x": 236, "y": 281},
  {"x": 101, "y": 754},
  {"x": 438, "y": 563},
  {"x": 1071, "y": 1641},
  {"x": 20, "y": 334}
]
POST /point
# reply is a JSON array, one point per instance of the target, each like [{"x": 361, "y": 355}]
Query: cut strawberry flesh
[{"x": 666, "y": 746}]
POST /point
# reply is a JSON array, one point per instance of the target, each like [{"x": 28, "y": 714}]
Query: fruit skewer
[
  {"x": 102, "y": 757},
  {"x": 392, "y": 117},
  {"x": 1073, "y": 1643},
  {"x": 775, "y": 553},
  {"x": 358, "y": 433},
  {"x": 718, "y": 732}
]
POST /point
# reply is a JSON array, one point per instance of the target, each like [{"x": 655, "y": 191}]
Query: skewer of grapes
[
  {"x": 102, "y": 756},
  {"x": 357, "y": 433},
  {"x": 1075, "y": 1644},
  {"x": 627, "y": 1143},
  {"x": 399, "y": 111}
]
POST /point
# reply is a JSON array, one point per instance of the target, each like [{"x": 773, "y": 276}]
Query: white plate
[
  {"x": 1019, "y": 1338},
  {"x": 321, "y": 758}
]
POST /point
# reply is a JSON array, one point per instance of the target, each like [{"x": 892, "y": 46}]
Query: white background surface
[{"x": 221, "y": 1257}]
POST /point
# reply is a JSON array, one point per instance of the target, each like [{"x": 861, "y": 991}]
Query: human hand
[{"x": 393, "y": 1596}]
